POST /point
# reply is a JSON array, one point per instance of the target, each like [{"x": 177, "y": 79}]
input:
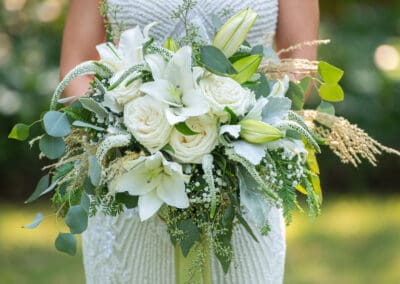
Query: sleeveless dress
[{"x": 124, "y": 250}]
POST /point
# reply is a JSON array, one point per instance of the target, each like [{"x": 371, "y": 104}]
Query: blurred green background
[{"x": 357, "y": 239}]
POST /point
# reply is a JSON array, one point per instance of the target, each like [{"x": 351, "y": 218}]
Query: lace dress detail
[{"x": 124, "y": 250}]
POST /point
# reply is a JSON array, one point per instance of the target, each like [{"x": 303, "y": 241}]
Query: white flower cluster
[{"x": 179, "y": 93}]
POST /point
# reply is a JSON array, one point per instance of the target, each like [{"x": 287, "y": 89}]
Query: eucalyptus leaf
[
  {"x": 233, "y": 119},
  {"x": 331, "y": 92},
  {"x": 52, "y": 147},
  {"x": 77, "y": 219},
  {"x": 215, "y": 61},
  {"x": 94, "y": 107},
  {"x": 329, "y": 73},
  {"x": 261, "y": 88},
  {"x": 56, "y": 124},
  {"x": 38, "y": 219},
  {"x": 296, "y": 94},
  {"x": 66, "y": 242},
  {"x": 183, "y": 128},
  {"x": 191, "y": 235},
  {"x": 79, "y": 123},
  {"x": 20, "y": 132},
  {"x": 42, "y": 185},
  {"x": 94, "y": 170},
  {"x": 128, "y": 200},
  {"x": 85, "y": 202},
  {"x": 326, "y": 108}
]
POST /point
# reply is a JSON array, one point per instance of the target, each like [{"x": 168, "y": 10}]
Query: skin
[{"x": 84, "y": 29}]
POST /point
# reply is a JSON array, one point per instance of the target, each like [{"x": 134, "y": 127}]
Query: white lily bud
[
  {"x": 258, "y": 132},
  {"x": 233, "y": 33}
]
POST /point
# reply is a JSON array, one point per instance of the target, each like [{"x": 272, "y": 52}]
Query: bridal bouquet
[{"x": 206, "y": 135}]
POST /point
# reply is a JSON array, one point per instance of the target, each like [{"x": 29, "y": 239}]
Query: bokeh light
[
  {"x": 10, "y": 101},
  {"x": 387, "y": 57},
  {"x": 5, "y": 48},
  {"x": 14, "y": 5},
  {"x": 49, "y": 10}
]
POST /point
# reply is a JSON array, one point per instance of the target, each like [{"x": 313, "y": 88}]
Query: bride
[{"x": 122, "y": 249}]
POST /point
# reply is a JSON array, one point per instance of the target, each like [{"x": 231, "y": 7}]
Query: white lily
[
  {"x": 156, "y": 181},
  {"x": 129, "y": 50},
  {"x": 174, "y": 84}
]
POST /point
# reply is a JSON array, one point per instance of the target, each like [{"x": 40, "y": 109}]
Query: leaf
[
  {"x": 77, "y": 219},
  {"x": 52, "y": 147},
  {"x": 251, "y": 198},
  {"x": 246, "y": 226},
  {"x": 94, "y": 170},
  {"x": 42, "y": 185},
  {"x": 191, "y": 235},
  {"x": 246, "y": 67},
  {"x": 79, "y": 123},
  {"x": 258, "y": 49},
  {"x": 183, "y": 128},
  {"x": 215, "y": 61},
  {"x": 85, "y": 202},
  {"x": 128, "y": 200},
  {"x": 93, "y": 106},
  {"x": 61, "y": 171},
  {"x": 301, "y": 189},
  {"x": 261, "y": 89},
  {"x": 66, "y": 242},
  {"x": 20, "y": 132},
  {"x": 171, "y": 44},
  {"x": 329, "y": 73},
  {"x": 305, "y": 83},
  {"x": 56, "y": 124},
  {"x": 77, "y": 112},
  {"x": 224, "y": 238},
  {"x": 88, "y": 187},
  {"x": 85, "y": 68},
  {"x": 233, "y": 119},
  {"x": 66, "y": 100},
  {"x": 326, "y": 107},
  {"x": 331, "y": 92},
  {"x": 296, "y": 94},
  {"x": 38, "y": 219}
]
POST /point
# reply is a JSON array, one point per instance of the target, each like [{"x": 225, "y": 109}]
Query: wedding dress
[{"x": 124, "y": 250}]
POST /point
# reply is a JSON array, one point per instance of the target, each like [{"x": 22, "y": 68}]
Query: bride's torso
[
  {"x": 142, "y": 12},
  {"x": 124, "y": 250}
]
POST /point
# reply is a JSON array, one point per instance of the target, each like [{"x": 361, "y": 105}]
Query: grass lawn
[{"x": 356, "y": 240}]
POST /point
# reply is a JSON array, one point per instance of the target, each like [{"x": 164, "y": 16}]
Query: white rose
[
  {"x": 145, "y": 119},
  {"x": 191, "y": 149},
  {"x": 224, "y": 92},
  {"x": 127, "y": 89}
]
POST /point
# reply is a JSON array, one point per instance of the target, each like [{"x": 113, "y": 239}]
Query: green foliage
[
  {"x": 93, "y": 106},
  {"x": 77, "y": 219},
  {"x": 296, "y": 94},
  {"x": 56, "y": 124},
  {"x": 38, "y": 219},
  {"x": 326, "y": 108},
  {"x": 191, "y": 235},
  {"x": 183, "y": 128},
  {"x": 66, "y": 243},
  {"x": 128, "y": 200},
  {"x": 331, "y": 92},
  {"x": 41, "y": 187},
  {"x": 329, "y": 73},
  {"x": 94, "y": 170},
  {"x": 215, "y": 61},
  {"x": 246, "y": 67},
  {"x": 261, "y": 87},
  {"x": 19, "y": 132},
  {"x": 52, "y": 147}
]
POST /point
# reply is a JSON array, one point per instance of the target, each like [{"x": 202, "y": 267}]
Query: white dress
[{"x": 124, "y": 250}]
